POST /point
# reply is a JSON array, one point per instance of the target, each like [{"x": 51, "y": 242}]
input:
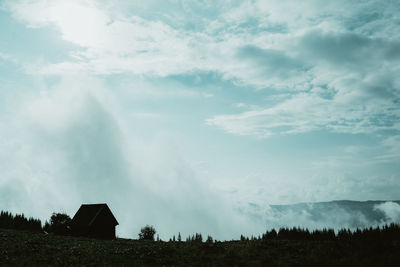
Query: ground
[{"x": 21, "y": 248}]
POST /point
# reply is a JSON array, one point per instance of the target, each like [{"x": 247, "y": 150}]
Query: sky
[{"x": 181, "y": 114}]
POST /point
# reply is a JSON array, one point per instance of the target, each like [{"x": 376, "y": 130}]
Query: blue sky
[{"x": 194, "y": 109}]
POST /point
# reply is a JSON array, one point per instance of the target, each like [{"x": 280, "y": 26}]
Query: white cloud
[
  {"x": 347, "y": 78},
  {"x": 111, "y": 44},
  {"x": 307, "y": 112},
  {"x": 348, "y": 84},
  {"x": 114, "y": 42},
  {"x": 391, "y": 211}
]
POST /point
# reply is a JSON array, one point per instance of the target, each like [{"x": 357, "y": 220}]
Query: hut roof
[{"x": 88, "y": 213}]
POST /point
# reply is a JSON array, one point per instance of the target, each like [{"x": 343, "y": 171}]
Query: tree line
[
  {"x": 386, "y": 232},
  {"x": 19, "y": 222},
  {"x": 58, "y": 223}
]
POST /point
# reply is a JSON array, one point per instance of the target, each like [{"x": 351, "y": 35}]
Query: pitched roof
[{"x": 88, "y": 213}]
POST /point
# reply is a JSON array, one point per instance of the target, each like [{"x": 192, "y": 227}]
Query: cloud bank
[{"x": 336, "y": 214}]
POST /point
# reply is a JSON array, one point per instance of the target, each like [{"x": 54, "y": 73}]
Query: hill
[
  {"x": 372, "y": 211},
  {"x": 333, "y": 214},
  {"x": 21, "y": 248}
]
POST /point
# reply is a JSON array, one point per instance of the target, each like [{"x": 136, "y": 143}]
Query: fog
[
  {"x": 334, "y": 214},
  {"x": 71, "y": 145}
]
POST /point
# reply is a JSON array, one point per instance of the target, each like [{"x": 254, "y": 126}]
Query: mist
[
  {"x": 73, "y": 147},
  {"x": 334, "y": 214}
]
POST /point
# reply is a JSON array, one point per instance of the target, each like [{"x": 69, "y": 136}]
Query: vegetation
[
  {"x": 197, "y": 238},
  {"x": 59, "y": 224},
  {"x": 387, "y": 232},
  {"x": 19, "y": 222},
  {"x": 24, "y": 248},
  {"x": 284, "y": 247},
  {"x": 147, "y": 233}
]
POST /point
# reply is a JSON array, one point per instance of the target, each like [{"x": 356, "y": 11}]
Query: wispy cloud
[
  {"x": 348, "y": 83},
  {"x": 308, "y": 112}
]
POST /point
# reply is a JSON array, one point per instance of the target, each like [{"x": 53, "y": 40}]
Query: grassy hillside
[{"x": 29, "y": 248}]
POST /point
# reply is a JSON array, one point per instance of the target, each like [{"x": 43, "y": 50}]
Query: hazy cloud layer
[
  {"x": 72, "y": 148},
  {"x": 391, "y": 211},
  {"x": 336, "y": 215}
]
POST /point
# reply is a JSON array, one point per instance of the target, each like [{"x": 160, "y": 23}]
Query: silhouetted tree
[
  {"x": 147, "y": 233},
  {"x": 59, "y": 223},
  {"x": 198, "y": 238},
  {"x": 179, "y": 237},
  {"x": 270, "y": 234},
  {"x": 242, "y": 238},
  {"x": 46, "y": 227}
]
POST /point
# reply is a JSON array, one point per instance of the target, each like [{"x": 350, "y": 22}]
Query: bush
[{"x": 147, "y": 233}]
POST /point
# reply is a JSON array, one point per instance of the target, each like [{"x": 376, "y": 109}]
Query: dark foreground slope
[{"x": 27, "y": 249}]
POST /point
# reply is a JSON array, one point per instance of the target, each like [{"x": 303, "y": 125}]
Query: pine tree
[{"x": 179, "y": 237}]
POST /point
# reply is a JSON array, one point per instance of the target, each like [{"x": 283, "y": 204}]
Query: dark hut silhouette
[{"x": 94, "y": 220}]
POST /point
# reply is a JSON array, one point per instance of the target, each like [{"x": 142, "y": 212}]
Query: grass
[{"x": 22, "y": 248}]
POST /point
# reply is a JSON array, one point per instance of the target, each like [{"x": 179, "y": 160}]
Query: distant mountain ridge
[
  {"x": 332, "y": 214},
  {"x": 371, "y": 210}
]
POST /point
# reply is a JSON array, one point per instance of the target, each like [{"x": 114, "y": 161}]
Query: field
[{"x": 23, "y": 248}]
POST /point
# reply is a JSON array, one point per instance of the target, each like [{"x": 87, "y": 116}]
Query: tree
[
  {"x": 198, "y": 238},
  {"x": 46, "y": 227},
  {"x": 179, "y": 237},
  {"x": 59, "y": 223},
  {"x": 147, "y": 233}
]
